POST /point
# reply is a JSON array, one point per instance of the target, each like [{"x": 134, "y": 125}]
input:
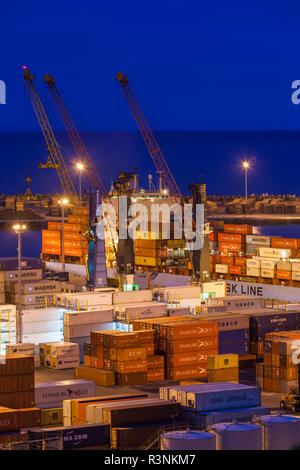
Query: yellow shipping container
[
  {"x": 222, "y": 361},
  {"x": 128, "y": 354},
  {"x": 104, "y": 378},
  {"x": 52, "y": 417},
  {"x": 147, "y": 261},
  {"x": 223, "y": 375}
]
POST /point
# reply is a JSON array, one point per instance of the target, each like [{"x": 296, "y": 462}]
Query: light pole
[
  {"x": 80, "y": 168},
  {"x": 63, "y": 203},
  {"x": 246, "y": 166},
  {"x": 19, "y": 229}
]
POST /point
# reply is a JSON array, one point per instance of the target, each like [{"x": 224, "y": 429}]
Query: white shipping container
[
  {"x": 221, "y": 268},
  {"x": 274, "y": 253},
  {"x": 284, "y": 266},
  {"x": 37, "y": 287},
  {"x": 185, "y": 292},
  {"x": 35, "y": 299},
  {"x": 43, "y": 314},
  {"x": 253, "y": 272},
  {"x": 295, "y": 267},
  {"x": 132, "y": 297},
  {"x": 56, "y": 392},
  {"x": 266, "y": 263},
  {"x": 88, "y": 317},
  {"x": 36, "y": 338},
  {"x": 94, "y": 413},
  {"x": 142, "y": 310},
  {"x": 62, "y": 348},
  {"x": 260, "y": 240},
  {"x": 21, "y": 348},
  {"x": 237, "y": 396},
  {"x": 269, "y": 273},
  {"x": 80, "y": 331},
  {"x": 295, "y": 276},
  {"x": 253, "y": 263},
  {"x": 41, "y": 327},
  {"x": 66, "y": 363},
  {"x": 26, "y": 275}
]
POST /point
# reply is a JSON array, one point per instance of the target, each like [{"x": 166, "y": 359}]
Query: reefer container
[
  {"x": 203, "y": 419},
  {"x": 243, "y": 229},
  {"x": 221, "y": 397},
  {"x": 55, "y": 392},
  {"x": 260, "y": 240}
]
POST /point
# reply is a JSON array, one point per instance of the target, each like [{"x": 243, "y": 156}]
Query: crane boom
[
  {"x": 81, "y": 151},
  {"x": 155, "y": 152},
  {"x": 151, "y": 142},
  {"x": 52, "y": 145},
  {"x": 74, "y": 136}
]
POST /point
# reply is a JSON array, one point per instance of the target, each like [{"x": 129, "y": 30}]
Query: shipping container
[
  {"x": 75, "y": 437},
  {"x": 290, "y": 243},
  {"x": 230, "y": 237},
  {"x": 55, "y": 392},
  {"x": 259, "y": 240},
  {"x": 103, "y": 378},
  {"x": 243, "y": 229}
]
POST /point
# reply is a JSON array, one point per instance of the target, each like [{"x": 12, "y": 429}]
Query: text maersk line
[{"x": 151, "y": 459}]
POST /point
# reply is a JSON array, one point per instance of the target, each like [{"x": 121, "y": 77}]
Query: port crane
[
  {"x": 85, "y": 158},
  {"x": 56, "y": 157},
  {"x": 54, "y": 152},
  {"x": 162, "y": 167}
]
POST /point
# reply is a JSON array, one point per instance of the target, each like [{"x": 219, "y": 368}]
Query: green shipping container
[{"x": 52, "y": 417}]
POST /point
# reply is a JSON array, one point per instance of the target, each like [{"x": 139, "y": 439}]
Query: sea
[{"x": 214, "y": 157}]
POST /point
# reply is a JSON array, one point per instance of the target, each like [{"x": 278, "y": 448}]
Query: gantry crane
[
  {"x": 58, "y": 162},
  {"x": 83, "y": 155},
  {"x": 160, "y": 163},
  {"x": 53, "y": 148}
]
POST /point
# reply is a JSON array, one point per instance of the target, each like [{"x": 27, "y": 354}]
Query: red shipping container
[
  {"x": 212, "y": 236},
  {"x": 240, "y": 261},
  {"x": 287, "y": 275},
  {"x": 227, "y": 260},
  {"x": 243, "y": 229},
  {"x": 288, "y": 243},
  {"x": 230, "y": 237},
  {"x": 235, "y": 270}
]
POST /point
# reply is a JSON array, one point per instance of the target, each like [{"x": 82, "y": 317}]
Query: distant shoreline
[{"x": 257, "y": 219}]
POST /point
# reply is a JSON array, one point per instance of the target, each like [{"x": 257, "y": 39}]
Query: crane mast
[{"x": 52, "y": 145}]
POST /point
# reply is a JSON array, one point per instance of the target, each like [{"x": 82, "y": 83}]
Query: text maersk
[{"x": 151, "y": 459}]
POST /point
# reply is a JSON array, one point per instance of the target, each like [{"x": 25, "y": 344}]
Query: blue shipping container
[
  {"x": 234, "y": 336},
  {"x": 234, "y": 348},
  {"x": 75, "y": 436}
]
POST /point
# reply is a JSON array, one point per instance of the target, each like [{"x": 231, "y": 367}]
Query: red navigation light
[{"x": 24, "y": 67}]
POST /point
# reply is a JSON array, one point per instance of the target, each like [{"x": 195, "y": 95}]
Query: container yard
[{"x": 149, "y": 278}]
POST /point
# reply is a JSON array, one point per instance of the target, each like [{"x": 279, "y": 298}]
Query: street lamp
[
  {"x": 80, "y": 168},
  {"x": 63, "y": 203},
  {"x": 246, "y": 166},
  {"x": 19, "y": 229}
]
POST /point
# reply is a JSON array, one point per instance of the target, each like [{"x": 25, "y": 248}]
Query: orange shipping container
[
  {"x": 287, "y": 275},
  {"x": 193, "y": 344},
  {"x": 291, "y": 243},
  {"x": 212, "y": 236},
  {"x": 46, "y": 234},
  {"x": 235, "y": 270},
  {"x": 73, "y": 252},
  {"x": 243, "y": 229},
  {"x": 186, "y": 372},
  {"x": 155, "y": 362},
  {"x": 154, "y": 375},
  {"x": 240, "y": 261},
  {"x": 230, "y": 237},
  {"x": 194, "y": 329},
  {"x": 51, "y": 250},
  {"x": 128, "y": 367},
  {"x": 147, "y": 252},
  {"x": 227, "y": 260},
  {"x": 190, "y": 358},
  {"x": 229, "y": 247}
]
